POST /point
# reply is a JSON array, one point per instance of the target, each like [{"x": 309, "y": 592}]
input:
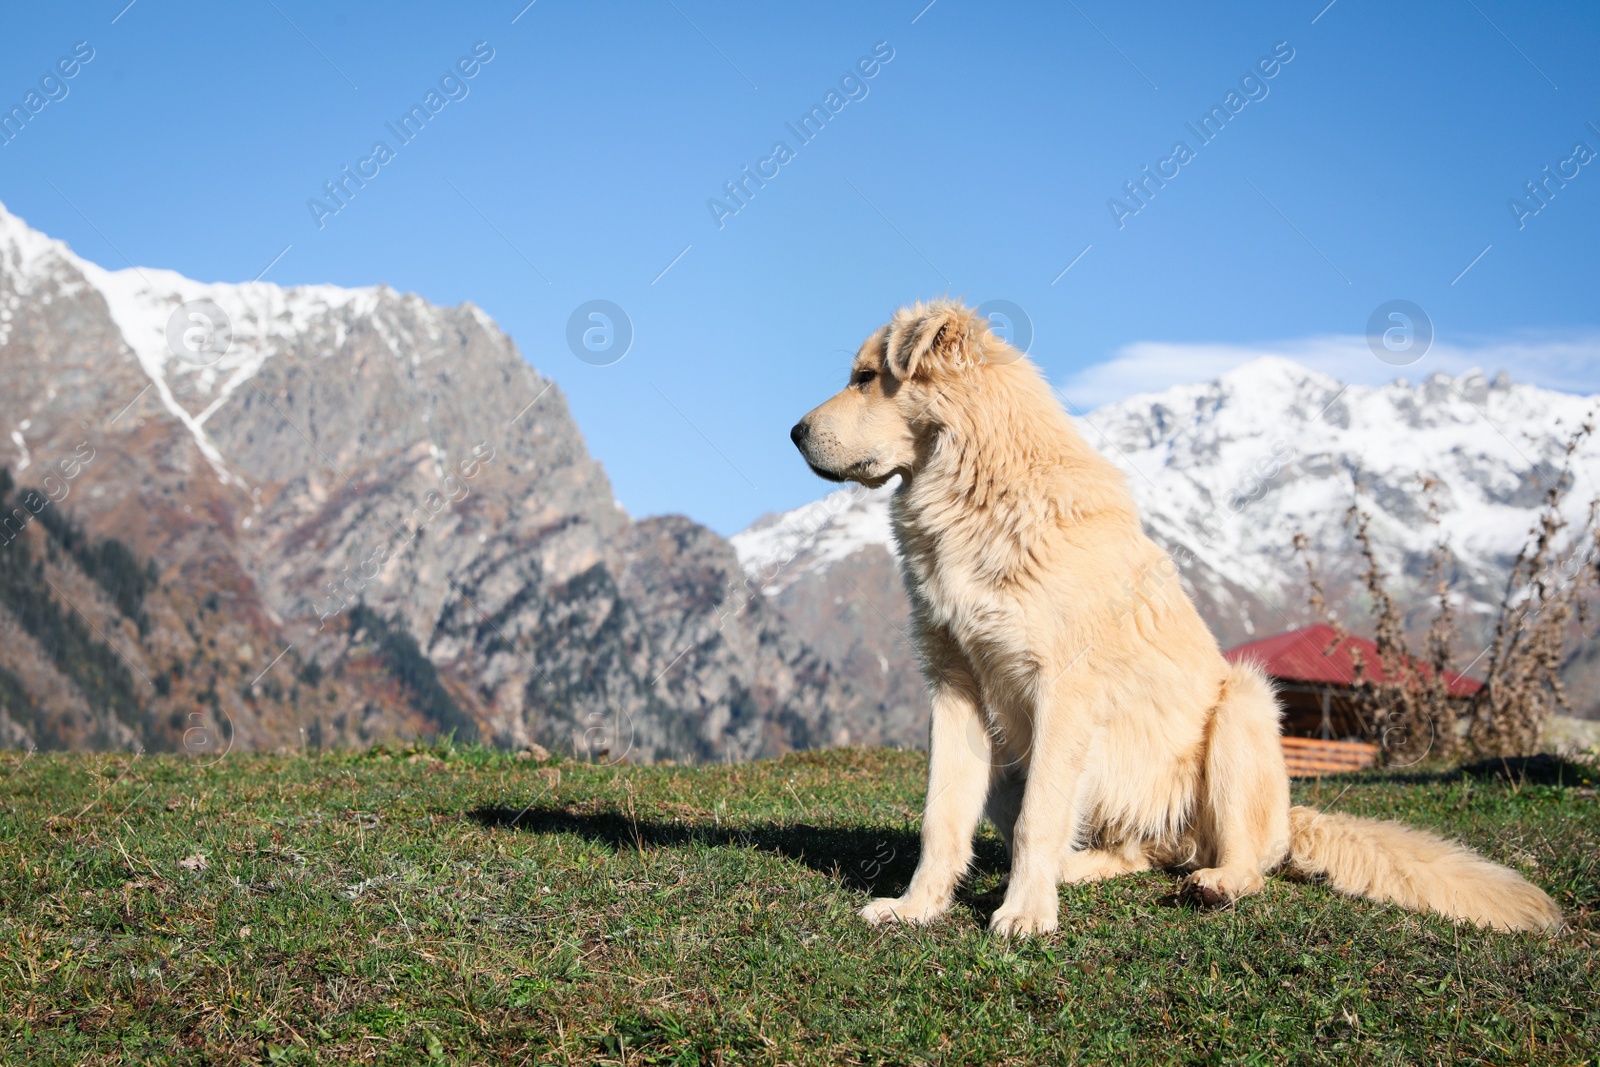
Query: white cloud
[{"x": 1568, "y": 363}]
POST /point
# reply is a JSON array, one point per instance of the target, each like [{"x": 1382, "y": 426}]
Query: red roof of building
[{"x": 1317, "y": 654}]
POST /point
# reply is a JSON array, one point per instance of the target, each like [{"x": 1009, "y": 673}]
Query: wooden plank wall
[{"x": 1309, "y": 757}]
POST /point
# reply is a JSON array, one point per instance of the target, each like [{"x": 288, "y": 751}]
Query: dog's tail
[{"x": 1390, "y": 862}]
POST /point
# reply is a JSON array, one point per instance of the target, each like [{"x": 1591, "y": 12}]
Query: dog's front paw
[
  {"x": 1026, "y": 918},
  {"x": 901, "y": 910},
  {"x": 1215, "y": 887}
]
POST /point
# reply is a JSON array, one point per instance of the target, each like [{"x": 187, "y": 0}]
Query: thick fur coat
[{"x": 1078, "y": 699}]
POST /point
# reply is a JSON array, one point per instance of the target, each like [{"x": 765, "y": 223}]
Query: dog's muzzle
[{"x": 801, "y": 436}]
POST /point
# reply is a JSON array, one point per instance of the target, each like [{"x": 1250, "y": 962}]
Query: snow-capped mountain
[
  {"x": 1225, "y": 472},
  {"x": 341, "y": 516}
]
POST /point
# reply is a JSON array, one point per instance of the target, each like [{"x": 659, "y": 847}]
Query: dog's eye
[{"x": 865, "y": 376}]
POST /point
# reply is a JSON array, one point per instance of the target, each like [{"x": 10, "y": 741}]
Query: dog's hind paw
[{"x": 901, "y": 910}]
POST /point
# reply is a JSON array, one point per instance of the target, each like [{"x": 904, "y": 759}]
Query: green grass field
[{"x": 461, "y": 906}]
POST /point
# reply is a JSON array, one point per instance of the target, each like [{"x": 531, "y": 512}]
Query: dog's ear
[{"x": 927, "y": 341}]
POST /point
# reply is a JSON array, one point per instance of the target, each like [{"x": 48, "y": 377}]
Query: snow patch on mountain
[
  {"x": 1564, "y": 360},
  {"x": 25, "y": 255},
  {"x": 261, "y": 320},
  {"x": 260, "y": 317},
  {"x": 778, "y": 549}
]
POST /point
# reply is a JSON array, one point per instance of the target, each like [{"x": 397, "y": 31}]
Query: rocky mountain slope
[
  {"x": 353, "y": 517},
  {"x": 1225, "y": 472}
]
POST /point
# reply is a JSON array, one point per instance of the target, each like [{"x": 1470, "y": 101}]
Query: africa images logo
[
  {"x": 452, "y": 86},
  {"x": 53, "y": 88},
  {"x": 1252, "y": 87},
  {"x": 852, "y": 86}
]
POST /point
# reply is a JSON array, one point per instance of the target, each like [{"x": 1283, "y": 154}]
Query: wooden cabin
[{"x": 1314, "y": 671}]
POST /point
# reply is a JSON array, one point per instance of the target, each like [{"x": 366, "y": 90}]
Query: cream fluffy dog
[{"x": 1077, "y": 698}]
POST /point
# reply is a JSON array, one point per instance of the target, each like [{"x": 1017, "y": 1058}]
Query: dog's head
[{"x": 875, "y": 426}]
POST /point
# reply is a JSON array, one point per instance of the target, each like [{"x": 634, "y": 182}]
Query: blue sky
[{"x": 1375, "y": 164}]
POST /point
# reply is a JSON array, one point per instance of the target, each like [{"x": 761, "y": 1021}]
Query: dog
[{"x": 1077, "y": 698}]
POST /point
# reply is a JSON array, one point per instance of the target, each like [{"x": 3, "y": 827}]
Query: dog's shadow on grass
[{"x": 872, "y": 860}]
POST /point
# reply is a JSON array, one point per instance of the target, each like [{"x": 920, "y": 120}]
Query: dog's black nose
[{"x": 799, "y": 434}]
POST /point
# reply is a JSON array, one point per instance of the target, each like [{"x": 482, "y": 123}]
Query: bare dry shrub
[
  {"x": 1410, "y": 713},
  {"x": 1404, "y": 705},
  {"x": 1547, "y": 590}
]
